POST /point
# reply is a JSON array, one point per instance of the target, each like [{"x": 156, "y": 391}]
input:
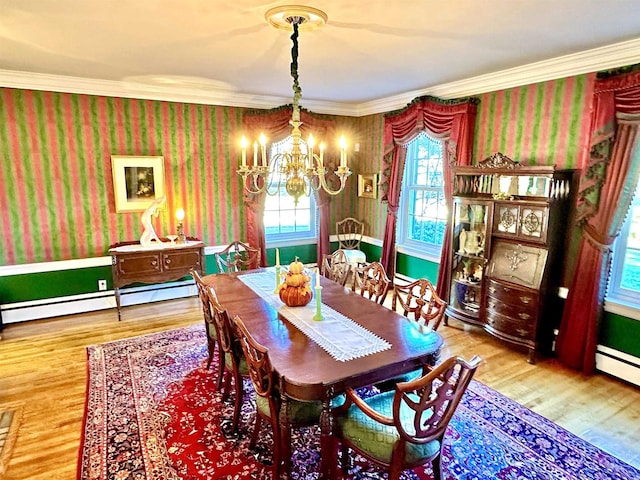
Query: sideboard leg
[{"x": 117, "y": 292}]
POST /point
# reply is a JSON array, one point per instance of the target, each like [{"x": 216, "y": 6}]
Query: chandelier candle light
[{"x": 300, "y": 172}]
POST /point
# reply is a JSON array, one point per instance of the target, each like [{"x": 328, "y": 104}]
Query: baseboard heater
[
  {"x": 90, "y": 302},
  {"x": 618, "y": 364}
]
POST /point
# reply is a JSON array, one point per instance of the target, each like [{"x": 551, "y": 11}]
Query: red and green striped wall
[{"x": 56, "y": 190}]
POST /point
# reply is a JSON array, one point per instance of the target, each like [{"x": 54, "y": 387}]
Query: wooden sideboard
[{"x": 133, "y": 263}]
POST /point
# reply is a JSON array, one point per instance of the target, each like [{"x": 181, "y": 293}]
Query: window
[
  {"x": 423, "y": 210},
  {"x": 624, "y": 285},
  {"x": 283, "y": 220}
]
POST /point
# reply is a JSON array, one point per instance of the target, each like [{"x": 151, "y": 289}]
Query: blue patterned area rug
[{"x": 153, "y": 413}]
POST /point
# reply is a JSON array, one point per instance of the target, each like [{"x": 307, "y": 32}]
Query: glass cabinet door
[
  {"x": 469, "y": 234},
  {"x": 518, "y": 220}
]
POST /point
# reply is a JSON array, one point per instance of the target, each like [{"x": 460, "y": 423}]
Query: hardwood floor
[{"x": 43, "y": 365}]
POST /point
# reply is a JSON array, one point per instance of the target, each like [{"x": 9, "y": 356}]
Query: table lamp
[{"x": 180, "y": 230}]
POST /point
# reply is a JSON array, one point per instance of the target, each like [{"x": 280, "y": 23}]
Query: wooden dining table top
[{"x": 310, "y": 372}]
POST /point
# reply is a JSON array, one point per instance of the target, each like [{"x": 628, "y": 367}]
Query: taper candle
[
  {"x": 318, "y": 315},
  {"x": 277, "y": 257}
]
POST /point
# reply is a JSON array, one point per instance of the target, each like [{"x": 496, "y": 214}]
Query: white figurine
[{"x": 149, "y": 237}]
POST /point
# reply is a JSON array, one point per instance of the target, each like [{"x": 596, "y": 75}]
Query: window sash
[
  {"x": 423, "y": 207},
  {"x": 283, "y": 220},
  {"x": 624, "y": 284}
]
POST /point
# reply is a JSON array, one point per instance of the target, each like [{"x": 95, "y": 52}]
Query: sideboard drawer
[{"x": 137, "y": 264}]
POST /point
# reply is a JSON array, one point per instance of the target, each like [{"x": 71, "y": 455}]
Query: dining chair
[
  {"x": 336, "y": 267},
  {"x": 403, "y": 428},
  {"x": 419, "y": 301},
  {"x": 234, "y": 363},
  {"x": 269, "y": 401},
  {"x": 349, "y": 232},
  {"x": 210, "y": 326},
  {"x": 237, "y": 256},
  {"x": 372, "y": 282}
]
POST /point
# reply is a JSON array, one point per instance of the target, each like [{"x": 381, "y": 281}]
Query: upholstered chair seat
[
  {"x": 403, "y": 428},
  {"x": 377, "y": 440}
]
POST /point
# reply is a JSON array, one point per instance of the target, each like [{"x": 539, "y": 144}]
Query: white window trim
[
  {"x": 276, "y": 240},
  {"x": 423, "y": 250}
]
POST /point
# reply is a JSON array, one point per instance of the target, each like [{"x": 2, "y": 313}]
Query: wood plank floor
[{"x": 43, "y": 365}]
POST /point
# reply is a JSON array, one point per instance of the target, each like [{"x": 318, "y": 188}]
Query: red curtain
[
  {"x": 606, "y": 191},
  {"x": 275, "y": 125},
  {"x": 451, "y": 120}
]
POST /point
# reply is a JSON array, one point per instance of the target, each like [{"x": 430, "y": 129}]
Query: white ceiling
[{"x": 371, "y": 56}]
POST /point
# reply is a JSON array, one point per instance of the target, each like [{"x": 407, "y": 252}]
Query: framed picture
[
  {"x": 368, "y": 185},
  {"x": 137, "y": 181}
]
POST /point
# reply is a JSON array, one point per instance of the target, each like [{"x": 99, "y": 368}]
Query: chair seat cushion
[
  {"x": 354, "y": 257},
  {"x": 377, "y": 440},
  {"x": 299, "y": 412}
]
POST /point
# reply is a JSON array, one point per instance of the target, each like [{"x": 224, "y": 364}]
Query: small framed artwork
[
  {"x": 368, "y": 185},
  {"x": 137, "y": 181}
]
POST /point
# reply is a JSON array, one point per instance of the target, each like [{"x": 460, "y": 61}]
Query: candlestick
[
  {"x": 255, "y": 154},
  {"x": 343, "y": 152},
  {"x": 263, "y": 149},
  {"x": 243, "y": 144},
  {"x": 277, "y": 278},
  {"x": 318, "y": 316}
]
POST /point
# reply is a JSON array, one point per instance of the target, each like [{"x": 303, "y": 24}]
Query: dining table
[{"x": 357, "y": 343}]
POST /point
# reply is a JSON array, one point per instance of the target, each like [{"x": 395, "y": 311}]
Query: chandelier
[{"x": 300, "y": 172}]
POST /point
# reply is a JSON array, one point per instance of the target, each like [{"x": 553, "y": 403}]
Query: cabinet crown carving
[{"x": 499, "y": 160}]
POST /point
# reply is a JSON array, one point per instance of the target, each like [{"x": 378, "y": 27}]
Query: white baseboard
[
  {"x": 618, "y": 364},
  {"x": 59, "y": 306}
]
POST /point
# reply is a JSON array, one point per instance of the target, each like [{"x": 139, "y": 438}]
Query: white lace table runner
[{"x": 338, "y": 335}]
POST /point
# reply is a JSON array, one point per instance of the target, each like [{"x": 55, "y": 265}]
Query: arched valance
[
  {"x": 451, "y": 120},
  {"x": 276, "y": 127}
]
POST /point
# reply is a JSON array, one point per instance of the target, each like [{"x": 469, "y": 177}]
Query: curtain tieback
[{"x": 591, "y": 238}]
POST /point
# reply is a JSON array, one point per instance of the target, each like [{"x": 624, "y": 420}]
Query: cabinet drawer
[
  {"x": 180, "y": 260},
  {"x": 138, "y": 264},
  {"x": 523, "y": 329},
  {"x": 520, "y": 312},
  {"x": 512, "y": 296}
]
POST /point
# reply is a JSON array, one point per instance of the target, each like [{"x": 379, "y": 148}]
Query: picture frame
[
  {"x": 368, "y": 185},
  {"x": 137, "y": 181}
]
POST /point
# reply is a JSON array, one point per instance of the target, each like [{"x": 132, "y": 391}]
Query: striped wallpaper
[
  {"x": 541, "y": 124},
  {"x": 56, "y": 191}
]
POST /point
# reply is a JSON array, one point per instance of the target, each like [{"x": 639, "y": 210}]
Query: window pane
[
  {"x": 624, "y": 284},
  {"x": 423, "y": 215},
  {"x": 427, "y": 216},
  {"x": 630, "y": 278},
  {"x": 283, "y": 219}
]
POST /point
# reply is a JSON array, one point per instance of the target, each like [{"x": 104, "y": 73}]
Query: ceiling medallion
[{"x": 280, "y": 17}]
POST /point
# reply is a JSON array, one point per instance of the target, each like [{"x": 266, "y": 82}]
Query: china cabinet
[{"x": 508, "y": 241}]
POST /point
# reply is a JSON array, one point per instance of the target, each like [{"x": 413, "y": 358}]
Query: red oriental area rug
[{"x": 152, "y": 413}]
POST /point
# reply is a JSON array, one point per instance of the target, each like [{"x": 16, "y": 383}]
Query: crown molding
[
  {"x": 602, "y": 58},
  {"x": 588, "y": 61}
]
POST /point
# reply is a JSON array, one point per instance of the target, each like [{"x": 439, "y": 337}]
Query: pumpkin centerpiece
[{"x": 295, "y": 290}]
